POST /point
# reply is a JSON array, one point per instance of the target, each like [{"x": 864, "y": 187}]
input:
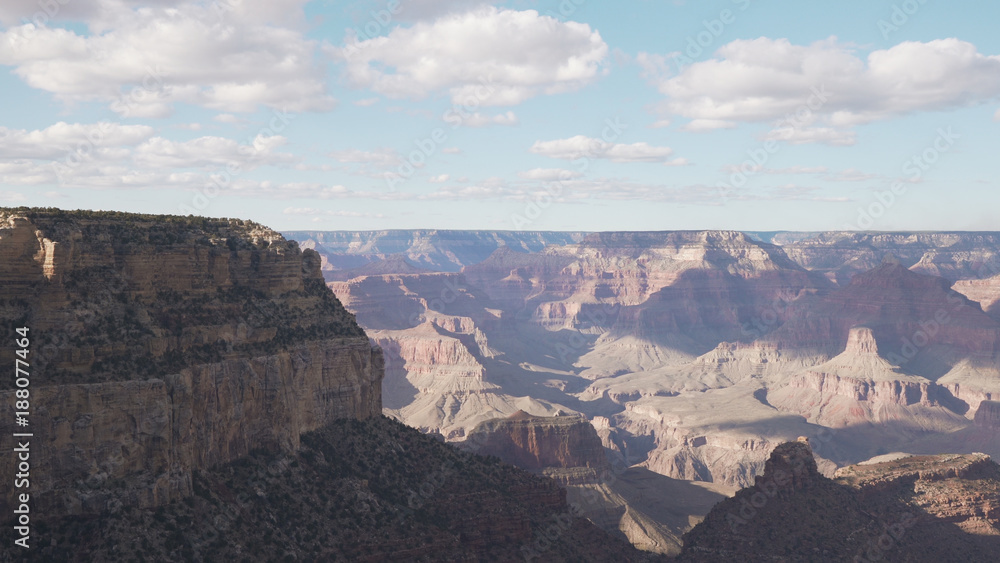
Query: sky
[{"x": 577, "y": 115}]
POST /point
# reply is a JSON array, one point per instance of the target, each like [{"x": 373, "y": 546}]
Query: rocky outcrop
[
  {"x": 988, "y": 415},
  {"x": 536, "y": 443},
  {"x": 162, "y": 345},
  {"x": 858, "y": 387},
  {"x": 986, "y": 292},
  {"x": 925, "y": 508}
]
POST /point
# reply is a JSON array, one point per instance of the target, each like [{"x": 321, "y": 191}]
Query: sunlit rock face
[
  {"x": 702, "y": 350},
  {"x": 161, "y": 345}
]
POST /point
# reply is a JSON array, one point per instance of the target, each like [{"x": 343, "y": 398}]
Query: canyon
[
  {"x": 693, "y": 352},
  {"x": 378, "y": 389},
  {"x": 198, "y": 393}
]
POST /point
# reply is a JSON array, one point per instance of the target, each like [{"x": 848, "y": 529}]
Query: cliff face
[
  {"x": 368, "y": 491},
  {"x": 161, "y": 345},
  {"x": 440, "y": 250},
  {"x": 840, "y": 255},
  {"x": 927, "y": 508},
  {"x": 536, "y": 443}
]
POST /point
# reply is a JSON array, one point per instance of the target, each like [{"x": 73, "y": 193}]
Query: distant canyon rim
[{"x": 692, "y": 353}]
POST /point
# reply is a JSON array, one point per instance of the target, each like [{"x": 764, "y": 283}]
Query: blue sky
[{"x": 535, "y": 115}]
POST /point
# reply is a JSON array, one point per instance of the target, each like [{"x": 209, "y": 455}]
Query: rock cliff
[
  {"x": 536, "y": 443},
  {"x": 928, "y": 508},
  {"x": 161, "y": 345}
]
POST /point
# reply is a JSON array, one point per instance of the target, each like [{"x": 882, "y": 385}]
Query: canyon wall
[{"x": 162, "y": 345}]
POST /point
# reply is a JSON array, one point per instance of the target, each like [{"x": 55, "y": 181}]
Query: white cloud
[
  {"x": 805, "y": 135},
  {"x": 701, "y": 125},
  {"x": 451, "y": 150},
  {"x": 996, "y": 116},
  {"x": 229, "y": 118},
  {"x": 586, "y": 147},
  {"x": 549, "y": 174},
  {"x": 110, "y": 155},
  {"x": 378, "y": 157},
  {"x": 188, "y": 126},
  {"x": 660, "y": 124},
  {"x": 851, "y": 175},
  {"x": 366, "y": 102},
  {"x": 410, "y": 10},
  {"x": 211, "y": 152},
  {"x": 439, "y": 179},
  {"x": 328, "y": 212},
  {"x": 233, "y": 56},
  {"x": 12, "y": 196},
  {"x": 479, "y": 120},
  {"x": 785, "y": 171},
  {"x": 59, "y": 140},
  {"x": 833, "y": 89},
  {"x": 485, "y": 57}
]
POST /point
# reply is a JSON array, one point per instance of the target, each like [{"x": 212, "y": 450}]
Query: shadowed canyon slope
[
  {"x": 695, "y": 353},
  {"x": 650, "y": 510},
  {"x": 926, "y": 508}
]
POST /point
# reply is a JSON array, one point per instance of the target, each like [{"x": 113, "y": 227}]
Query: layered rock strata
[{"x": 160, "y": 345}]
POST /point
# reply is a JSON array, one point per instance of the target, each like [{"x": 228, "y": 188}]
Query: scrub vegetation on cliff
[
  {"x": 370, "y": 490},
  {"x": 118, "y": 296}
]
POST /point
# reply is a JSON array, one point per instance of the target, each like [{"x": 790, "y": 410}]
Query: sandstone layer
[{"x": 161, "y": 345}]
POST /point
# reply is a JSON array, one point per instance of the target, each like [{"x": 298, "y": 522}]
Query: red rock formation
[{"x": 535, "y": 443}]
